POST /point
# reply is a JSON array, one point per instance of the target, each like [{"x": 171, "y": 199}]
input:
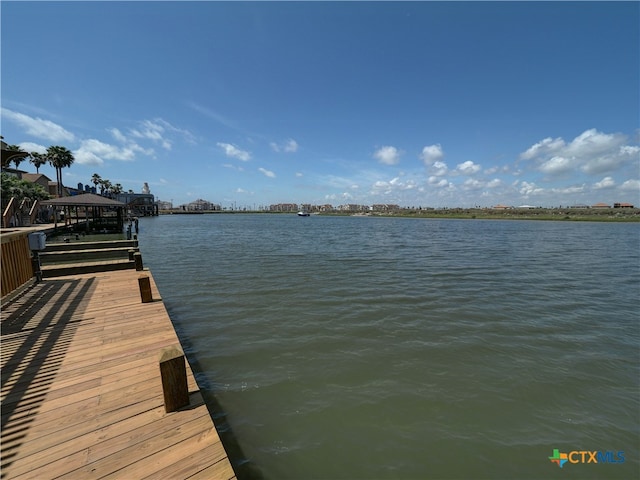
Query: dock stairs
[{"x": 59, "y": 259}]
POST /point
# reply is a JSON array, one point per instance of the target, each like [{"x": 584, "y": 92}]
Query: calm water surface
[{"x": 366, "y": 348}]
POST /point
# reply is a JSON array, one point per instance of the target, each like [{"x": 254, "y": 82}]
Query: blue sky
[{"x": 433, "y": 104}]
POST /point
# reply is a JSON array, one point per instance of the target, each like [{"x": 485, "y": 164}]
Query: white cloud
[
  {"x": 439, "y": 169},
  {"x": 631, "y": 185},
  {"x": 393, "y": 186},
  {"x": 527, "y": 189},
  {"x": 234, "y": 152},
  {"x": 298, "y": 174},
  {"x": 604, "y": 164},
  {"x": 472, "y": 184},
  {"x": 468, "y": 168},
  {"x": 94, "y": 152},
  {"x": 214, "y": 115},
  {"x": 152, "y": 130},
  {"x": 105, "y": 150},
  {"x": 432, "y": 154},
  {"x": 606, "y": 182},
  {"x": 387, "y": 155},
  {"x": 157, "y": 130},
  {"x": 496, "y": 182},
  {"x": 233, "y": 167},
  {"x": 267, "y": 173},
  {"x": 548, "y": 145},
  {"x": 556, "y": 165},
  {"x": 630, "y": 150},
  {"x": 38, "y": 127},
  {"x": 591, "y": 152},
  {"x": 438, "y": 182},
  {"x": 591, "y": 142},
  {"x": 117, "y": 135},
  {"x": 87, "y": 157},
  {"x": 381, "y": 187},
  {"x": 290, "y": 146},
  {"x": 32, "y": 147},
  {"x": 570, "y": 190}
]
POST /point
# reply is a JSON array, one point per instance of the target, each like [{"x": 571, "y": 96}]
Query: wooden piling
[
  {"x": 138, "y": 259},
  {"x": 85, "y": 400},
  {"x": 145, "y": 289},
  {"x": 174, "y": 378}
]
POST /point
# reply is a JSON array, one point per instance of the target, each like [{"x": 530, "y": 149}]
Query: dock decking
[{"x": 81, "y": 389}]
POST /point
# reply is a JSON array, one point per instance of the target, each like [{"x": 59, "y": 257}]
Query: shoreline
[{"x": 614, "y": 215}]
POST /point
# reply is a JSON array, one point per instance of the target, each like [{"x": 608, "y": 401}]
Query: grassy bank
[
  {"x": 568, "y": 214},
  {"x": 560, "y": 214}
]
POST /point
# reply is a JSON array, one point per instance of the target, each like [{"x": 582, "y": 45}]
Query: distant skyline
[{"x": 433, "y": 104}]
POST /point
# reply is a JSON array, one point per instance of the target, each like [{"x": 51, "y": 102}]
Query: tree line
[
  {"x": 58, "y": 157},
  {"x": 106, "y": 187}
]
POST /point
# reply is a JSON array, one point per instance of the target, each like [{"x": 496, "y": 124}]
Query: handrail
[
  {"x": 17, "y": 266},
  {"x": 9, "y": 212},
  {"x": 33, "y": 213}
]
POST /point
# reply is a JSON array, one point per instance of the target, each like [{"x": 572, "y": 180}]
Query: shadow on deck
[{"x": 37, "y": 328}]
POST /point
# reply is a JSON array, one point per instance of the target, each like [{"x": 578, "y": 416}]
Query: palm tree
[
  {"x": 96, "y": 180},
  {"x": 116, "y": 189},
  {"x": 19, "y": 155},
  {"x": 59, "y": 158},
  {"x": 106, "y": 188},
  {"x": 38, "y": 159}
]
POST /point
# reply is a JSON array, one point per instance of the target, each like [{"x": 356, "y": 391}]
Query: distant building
[
  {"x": 500, "y": 207},
  {"x": 42, "y": 180},
  {"x": 385, "y": 207},
  {"x": 327, "y": 207},
  {"x": 164, "y": 205},
  {"x": 45, "y": 182},
  {"x": 14, "y": 172},
  {"x": 201, "y": 205},
  {"x": 600, "y": 205},
  {"x": 138, "y": 204},
  {"x": 622, "y": 205},
  {"x": 352, "y": 207},
  {"x": 283, "y": 207}
]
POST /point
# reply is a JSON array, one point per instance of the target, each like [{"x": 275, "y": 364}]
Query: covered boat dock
[{"x": 96, "y": 212}]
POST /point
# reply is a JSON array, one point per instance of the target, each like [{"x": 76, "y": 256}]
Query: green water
[{"x": 365, "y": 348}]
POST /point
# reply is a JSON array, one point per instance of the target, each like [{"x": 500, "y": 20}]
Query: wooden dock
[{"x": 81, "y": 390}]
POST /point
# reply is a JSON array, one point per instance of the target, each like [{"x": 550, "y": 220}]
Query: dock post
[
  {"x": 138, "y": 258},
  {"x": 174, "y": 378},
  {"x": 131, "y": 252},
  {"x": 145, "y": 289}
]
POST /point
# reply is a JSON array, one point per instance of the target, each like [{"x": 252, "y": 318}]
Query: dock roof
[{"x": 84, "y": 200}]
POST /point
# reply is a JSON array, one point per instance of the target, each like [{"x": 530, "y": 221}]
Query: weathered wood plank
[{"x": 81, "y": 391}]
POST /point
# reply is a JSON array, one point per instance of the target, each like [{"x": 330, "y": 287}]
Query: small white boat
[{"x": 302, "y": 213}]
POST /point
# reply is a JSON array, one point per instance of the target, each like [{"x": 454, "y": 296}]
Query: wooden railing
[
  {"x": 8, "y": 212},
  {"x": 33, "y": 213},
  {"x": 20, "y": 214},
  {"x": 17, "y": 268}
]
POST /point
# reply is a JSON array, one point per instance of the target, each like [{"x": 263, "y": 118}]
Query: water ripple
[{"x": 401, "y": 348}]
